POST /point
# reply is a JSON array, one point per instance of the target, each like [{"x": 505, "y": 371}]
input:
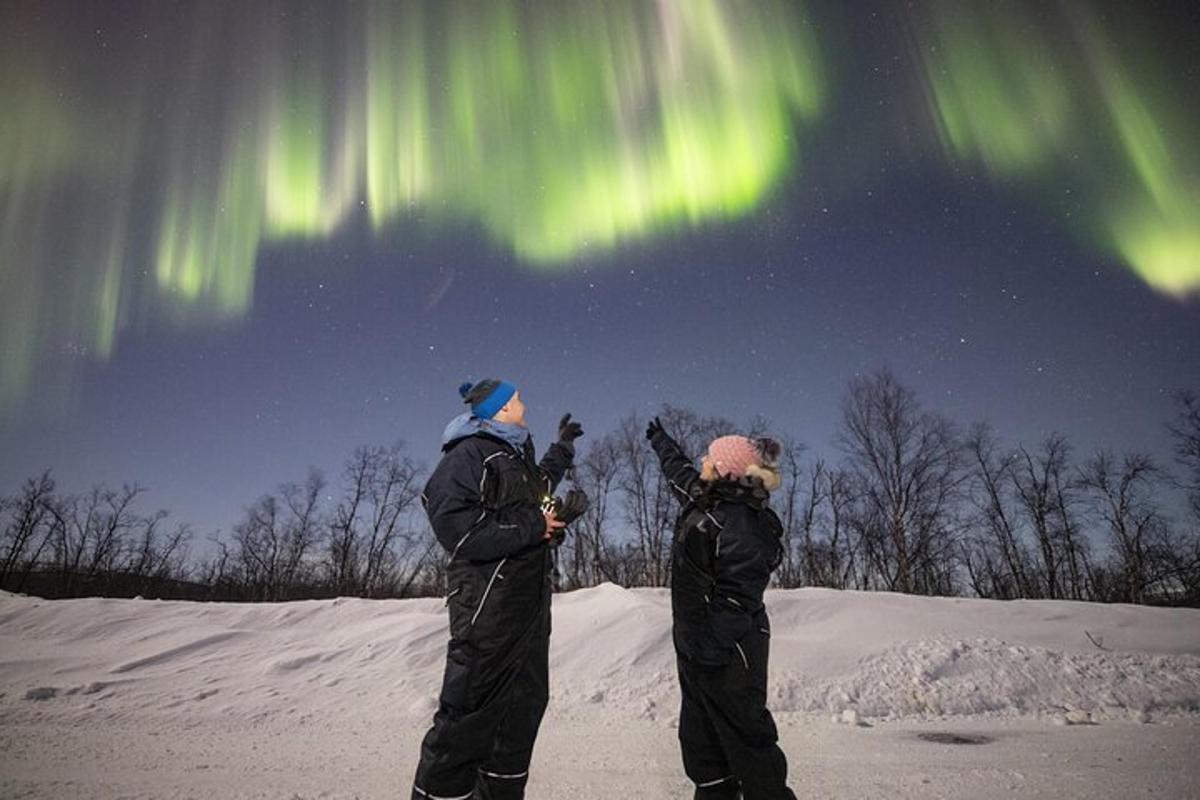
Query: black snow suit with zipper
[
  {"x": 726, "y": 545},
  {"x": 484, "y": 502}
]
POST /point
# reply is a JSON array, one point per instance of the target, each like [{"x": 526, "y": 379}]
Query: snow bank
[{"x": 877, "y": 654}]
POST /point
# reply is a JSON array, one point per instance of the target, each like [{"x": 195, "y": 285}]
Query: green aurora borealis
[
  {"x": 1053, "y": 100},
  {"x": 141, "y": 181}
]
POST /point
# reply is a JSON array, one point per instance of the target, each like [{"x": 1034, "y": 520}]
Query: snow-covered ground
[{"x": 147, "y": 699}]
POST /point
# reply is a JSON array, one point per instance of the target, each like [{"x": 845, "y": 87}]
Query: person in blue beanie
[{"x": 486, "y": 501}]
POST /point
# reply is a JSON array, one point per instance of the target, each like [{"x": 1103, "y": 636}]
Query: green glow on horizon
[
  {"x": 572, "y": 129},
  {"x": 1155, "y": 222},
  {"x": 1037, "y": 108},
  {"x": 307, "y": 192},
  {"x": 399, "y": 141},
  {"x": 145, "y": 184},
  {"x": 39, "y": 147},
  {"x": 583, "y": 130},
  {"x": 206, "y": 245}
]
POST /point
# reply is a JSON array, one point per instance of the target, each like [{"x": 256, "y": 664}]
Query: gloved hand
[
  {"x": 571, "y": 507},
  {"x": 568, "y": 431},
  {"x": 654, "y": 428},
  {"x": 566, "y": 510}
]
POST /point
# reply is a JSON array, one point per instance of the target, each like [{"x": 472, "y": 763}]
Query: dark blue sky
[
  {"x": 987, "y": 312},
  {"x": 872, "y": 251}
]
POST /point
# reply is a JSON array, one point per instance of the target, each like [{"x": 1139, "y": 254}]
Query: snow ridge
[{"x": 871, "y": 655}]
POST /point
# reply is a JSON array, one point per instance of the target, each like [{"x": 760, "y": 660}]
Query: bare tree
[
  {"x": 304, "y": 527},
  {"x": 277, "y": 534},
  {"x": 153, "y": 558},
  {"x": 215, "y": 572},
  {"x": 373, "y": 546},
  {"x": 843, "y": 549},
  {"x": 1185, "y": 436},
  {"x": 1033, "y": 481},
  {"x": 796, "y": 512},
  {"x": 996, "y": 559},
  {"x": 1074, "y": 542},
  {"x": 906, "y": 468},
  {"x": 28, "y": 529},
  {"x": 91, "y": 530},
  {"x": 823, "y": 518},
  {"x": 258, "y": 540},
  {"x": 1123, "y": 498},
  {"x": 646, "y": 504},
  {"x": 343, "y": 558},
  {"x": 591, "y": 551}
]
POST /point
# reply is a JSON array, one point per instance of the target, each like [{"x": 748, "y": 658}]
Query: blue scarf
[{"x": 467, "y": 424}]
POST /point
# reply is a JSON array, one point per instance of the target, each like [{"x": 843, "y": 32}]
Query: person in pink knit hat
[
  {"x": 727, "y": 543},
  {"x": 740, "y": 457}
]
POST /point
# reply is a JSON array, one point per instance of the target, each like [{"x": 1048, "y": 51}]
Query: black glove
[
  {"x": 568, "y": 431},
  {"x": 571, "y": 507},
  {"x": 654, "y": 428},
  {"x": 566, "y": 510}
]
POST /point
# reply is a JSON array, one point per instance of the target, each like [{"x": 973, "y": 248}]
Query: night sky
[{"x": 239, "y": 239}]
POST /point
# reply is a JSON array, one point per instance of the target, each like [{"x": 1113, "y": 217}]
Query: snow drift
[{"x": 879, "y": 655}]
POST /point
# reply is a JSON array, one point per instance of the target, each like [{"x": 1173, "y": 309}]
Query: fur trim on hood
[{"x": 768, "y": 477}]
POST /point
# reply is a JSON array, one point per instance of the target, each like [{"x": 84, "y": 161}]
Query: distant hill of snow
[
  {"x": 881, "y": 655},
  {"x": 169, "y": 700}
]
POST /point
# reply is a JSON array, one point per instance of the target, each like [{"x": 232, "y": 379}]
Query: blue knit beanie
[{"x": 487, "y": 396}]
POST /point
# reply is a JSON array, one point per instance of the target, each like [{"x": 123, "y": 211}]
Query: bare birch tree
[
  {"x": 590, "y": 547},
  {"x": 995, "y": 557},
  {"x": 1122, "y": 495},
  {"x": 906, "y": 468},
  {"x": 374, "y": 544},
  {"x": 28, "y": 529}
]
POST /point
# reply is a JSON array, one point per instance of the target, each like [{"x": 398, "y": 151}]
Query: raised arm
[
  {"x": 560, "y": 455},
  {"x": 676, "y": 466},
  {"x": 464, "y": 526},
  {"x": 555, "y": 463}
]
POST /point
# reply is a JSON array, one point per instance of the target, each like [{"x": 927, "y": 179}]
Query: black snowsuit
[
  {"x": 484, "y": 502},
  {"x": 727, "y": 543}
]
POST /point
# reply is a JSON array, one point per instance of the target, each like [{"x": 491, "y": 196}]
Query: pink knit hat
[
  {"x": 739, "y": 457},
  {"x": 733, "y": 455}
]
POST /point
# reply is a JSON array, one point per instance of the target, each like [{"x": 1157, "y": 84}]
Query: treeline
[
  {"x": 917, "y": 505},
  {"x": 914, "y": 503},
  {"x": 70, "y": 545},
  {"x": 365, "y": 537}
]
